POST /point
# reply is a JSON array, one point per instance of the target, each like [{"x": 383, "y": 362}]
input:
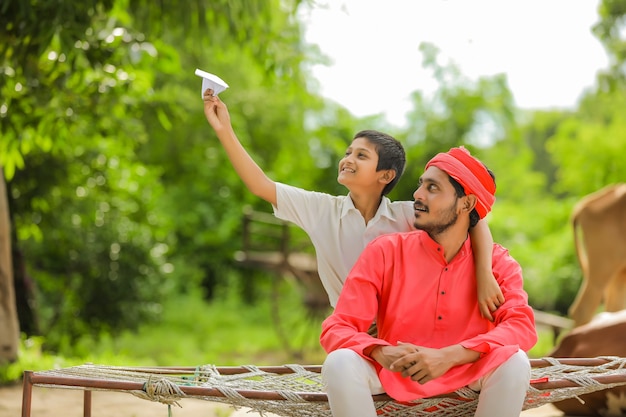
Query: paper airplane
[{"x": 211, "y": 81}]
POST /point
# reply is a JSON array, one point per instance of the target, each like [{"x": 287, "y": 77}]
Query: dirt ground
[{"x": 54, "y": 402}]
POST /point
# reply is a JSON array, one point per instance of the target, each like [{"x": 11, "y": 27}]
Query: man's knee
[
  {"x": 339, "y": 364},
  {"x": 516, "y": 370}
]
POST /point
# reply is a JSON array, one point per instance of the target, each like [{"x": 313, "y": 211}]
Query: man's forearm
[{"x": 461, "y": 355}]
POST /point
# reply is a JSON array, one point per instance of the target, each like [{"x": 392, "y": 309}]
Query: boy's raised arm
[
  {"x": 250, "y": 173},
  {"x": 490, "y": 295}
]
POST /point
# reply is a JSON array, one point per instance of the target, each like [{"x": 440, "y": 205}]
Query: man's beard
[{"x": 448, "y": 218}]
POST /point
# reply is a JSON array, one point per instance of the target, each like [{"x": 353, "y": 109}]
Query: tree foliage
[{"x": 113, "y": 187}]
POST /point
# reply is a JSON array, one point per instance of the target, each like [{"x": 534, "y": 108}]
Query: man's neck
[{"x": 451, "y": 240}]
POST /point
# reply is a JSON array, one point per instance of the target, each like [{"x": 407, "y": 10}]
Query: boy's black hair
[{"x": 390, "y": 154}]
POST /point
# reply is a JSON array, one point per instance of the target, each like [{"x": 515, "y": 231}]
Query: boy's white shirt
[{"x": 337, "y": 229}]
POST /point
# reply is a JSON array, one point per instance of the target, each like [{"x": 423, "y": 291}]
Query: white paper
[{"x": 211, "y": 81}]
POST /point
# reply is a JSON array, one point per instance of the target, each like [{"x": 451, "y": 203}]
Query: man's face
[{"x": 436, "y": 202}]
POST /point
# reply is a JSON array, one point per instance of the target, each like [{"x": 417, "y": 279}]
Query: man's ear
[
  {"x": 469, "y": 203},
  {"x": 387, "y": 176}
]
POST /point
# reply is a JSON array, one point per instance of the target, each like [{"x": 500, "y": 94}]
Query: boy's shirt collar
[{"x": 383, "y": 208}]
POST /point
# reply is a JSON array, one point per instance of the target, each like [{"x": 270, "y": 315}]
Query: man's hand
[
  {"x": 386, "y": 355},
  {"x": 424, "y": 364},
  {"x": 420, "y": 363}
]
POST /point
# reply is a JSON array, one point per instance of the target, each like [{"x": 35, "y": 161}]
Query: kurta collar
[{"x": 436, "y": 248}]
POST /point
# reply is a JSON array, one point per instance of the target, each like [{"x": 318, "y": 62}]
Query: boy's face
[{"x": 358, "y": 166}]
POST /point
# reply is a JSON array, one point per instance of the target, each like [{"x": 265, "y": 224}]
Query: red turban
[{"x": 471, "y": 174}]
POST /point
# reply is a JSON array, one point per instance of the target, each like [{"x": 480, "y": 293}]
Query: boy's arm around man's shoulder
[{"x": 514, "y": 322}]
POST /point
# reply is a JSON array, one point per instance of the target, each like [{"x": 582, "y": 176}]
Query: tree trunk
[{"x": 9, "y": 327}]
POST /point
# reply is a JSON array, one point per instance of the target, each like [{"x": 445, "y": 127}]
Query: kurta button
[
  {"x": 443, "y": 292},
  {"x": 439, "y": 318},
  {"x": 445, "y": 269}
]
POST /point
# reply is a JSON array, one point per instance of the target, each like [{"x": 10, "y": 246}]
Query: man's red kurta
[{"x": 404, "y": 282}]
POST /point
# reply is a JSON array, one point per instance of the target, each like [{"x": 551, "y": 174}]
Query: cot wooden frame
[{"x": 43, "y": 378}]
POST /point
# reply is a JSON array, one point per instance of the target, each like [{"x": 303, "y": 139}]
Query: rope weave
[
  {"x": 162, "y": 390},
  {"x": 287, "y": 391}
]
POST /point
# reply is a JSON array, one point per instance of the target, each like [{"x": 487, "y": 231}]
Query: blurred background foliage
[{"x": 122, "y": 200}]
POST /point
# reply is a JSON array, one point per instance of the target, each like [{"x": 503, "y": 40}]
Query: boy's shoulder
[
  {"x": 399, "y": 210},
  {"x": 293, "y": 191}
]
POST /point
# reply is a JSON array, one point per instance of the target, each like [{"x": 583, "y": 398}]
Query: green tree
[
  {"x": 75, "y": 226},
  {"x": 26, "y": 31},
  {"x": 589, "y": 146},
  {"x": 475, "y": 114},
  {"x": 104, "y": 95},
  {"x": 576, "y": 152},
  {"x": 610, "y": 31}
]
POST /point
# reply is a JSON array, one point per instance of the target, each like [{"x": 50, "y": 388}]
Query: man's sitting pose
[{"x": 420, "y": 287}]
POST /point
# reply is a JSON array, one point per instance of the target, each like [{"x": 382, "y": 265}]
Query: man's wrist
[
  {"x": 372, "y": 350},
  {"x": 462, "y": 354}
]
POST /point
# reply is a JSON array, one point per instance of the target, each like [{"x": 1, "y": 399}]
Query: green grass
[
  {"x": 192, "y": 332},
  {"x": 224, "y": 332}
]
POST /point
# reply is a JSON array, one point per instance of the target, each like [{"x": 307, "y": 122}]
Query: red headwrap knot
[{"x": 471, "y": 174}]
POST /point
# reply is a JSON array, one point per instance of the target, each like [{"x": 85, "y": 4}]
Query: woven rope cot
[{"x": 297, "y": 390}]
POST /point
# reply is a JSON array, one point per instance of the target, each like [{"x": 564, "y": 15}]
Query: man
[{"x": 420, "y": 287}]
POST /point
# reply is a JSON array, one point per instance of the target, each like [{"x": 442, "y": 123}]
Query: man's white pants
[{"x": 350, "y": 382}]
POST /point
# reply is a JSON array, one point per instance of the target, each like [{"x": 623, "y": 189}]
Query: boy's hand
[
  {"x": 490, "y": 296},
  {"x": 215, "y": 111}
]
